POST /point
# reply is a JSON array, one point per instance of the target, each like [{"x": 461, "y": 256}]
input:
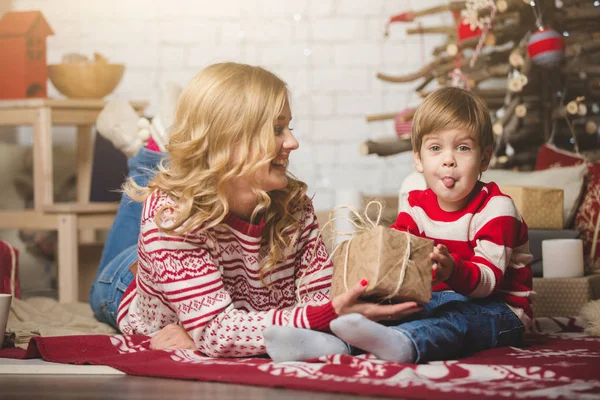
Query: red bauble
[
  {"x": 403, "y": 122},
  {"x": 546, "y": 47},
  {"x": 465, "y": 31}
]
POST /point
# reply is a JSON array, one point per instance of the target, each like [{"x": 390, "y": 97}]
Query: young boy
[{"x": 482, "y": 287}]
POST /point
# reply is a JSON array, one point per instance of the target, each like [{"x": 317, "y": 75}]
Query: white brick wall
[{"x": 327, "y": 50}]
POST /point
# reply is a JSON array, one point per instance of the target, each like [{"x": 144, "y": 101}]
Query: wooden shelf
[
  {"x": 81, "y": 208},
  {"x": 75, "y": 222}
]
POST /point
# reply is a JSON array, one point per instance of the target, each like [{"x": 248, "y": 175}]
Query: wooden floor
[{"x": 143, "y": 388}]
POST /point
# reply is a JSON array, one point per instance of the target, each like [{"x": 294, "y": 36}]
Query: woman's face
[{"x": 273, "y": 175}]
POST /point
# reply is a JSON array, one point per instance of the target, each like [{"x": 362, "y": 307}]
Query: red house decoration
[{"x": 23, "y": 69}]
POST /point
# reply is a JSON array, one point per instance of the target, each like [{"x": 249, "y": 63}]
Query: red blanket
[{"x": 558, "y": 361}]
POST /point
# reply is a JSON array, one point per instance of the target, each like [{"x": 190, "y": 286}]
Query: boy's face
[{"x": 451, "y": 161}]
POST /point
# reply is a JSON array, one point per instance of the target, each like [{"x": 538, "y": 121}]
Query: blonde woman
[{"x": 225, "y": 243}]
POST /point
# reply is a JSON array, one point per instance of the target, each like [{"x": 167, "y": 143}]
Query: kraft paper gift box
[
  {"x": 564, "y": 297},
  {"x": 379, "y": 255},
  {"x": 541, "y": 208}
]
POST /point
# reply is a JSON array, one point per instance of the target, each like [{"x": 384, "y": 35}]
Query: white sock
[
  {"x": 383, "y": 342},
  {"x": 118, "y": 122},
  {"x": 294, "y": 344}
]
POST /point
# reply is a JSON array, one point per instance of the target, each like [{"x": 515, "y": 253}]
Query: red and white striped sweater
[
  {"x": 209, "y": 283},
  {"x": 487, "y": 239}
]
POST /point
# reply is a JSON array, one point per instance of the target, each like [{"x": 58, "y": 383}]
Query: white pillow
[
  {"x": 569, "y": 179},
  {"x": 413, "y": 181}
]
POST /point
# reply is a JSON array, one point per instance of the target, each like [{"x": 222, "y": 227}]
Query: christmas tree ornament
[
  {"x": 407, "y": 16},
  {"x": 502, "y": 5},
  {"x": 474, "y": 16},
  {"x": 546, "y": 48},
  {"x": 516, "y": 59},
  {"x": 515, "y": 85},
  {"x": 591, "y": 127},
  {"x": 452, "y": 49},
  {"x": 459, "y": 79},
  {"x": 500, "y": 113},
  {"x": 524, "y": 80},
  {"x": 403, "y": 122},
  {"x": 521, "y": 110},
  {"x": 509, "y": 151},
  {"x": 467, "y": 30}
]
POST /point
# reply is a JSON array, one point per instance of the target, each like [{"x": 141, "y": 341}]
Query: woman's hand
[
  {"x": 172, "y": 337},
  {"x": 348, "y": 303},
  {"x": 443, "y": 263}
]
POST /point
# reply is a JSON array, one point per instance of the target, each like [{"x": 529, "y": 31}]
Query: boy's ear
[
  {"x": 486, "y": 156},
  {"x": 418, "y": 163}
]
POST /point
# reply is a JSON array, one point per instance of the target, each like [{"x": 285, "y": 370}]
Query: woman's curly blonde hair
[{"x": 226, "y": 113}]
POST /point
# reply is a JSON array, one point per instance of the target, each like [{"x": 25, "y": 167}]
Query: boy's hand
[{"x": 443, "y": 264}]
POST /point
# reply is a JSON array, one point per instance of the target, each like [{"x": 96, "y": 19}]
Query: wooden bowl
[{"x": 85, "y": 80}]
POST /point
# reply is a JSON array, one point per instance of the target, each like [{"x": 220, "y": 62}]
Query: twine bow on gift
[{"x": 362, "y": 225}]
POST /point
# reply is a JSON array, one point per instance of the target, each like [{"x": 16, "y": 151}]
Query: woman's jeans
[
  {"x": 453, "y": 326},
  {"x": 120, "y": 250}
]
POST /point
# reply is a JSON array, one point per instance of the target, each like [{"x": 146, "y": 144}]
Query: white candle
[{"x": 562, "y": 258}]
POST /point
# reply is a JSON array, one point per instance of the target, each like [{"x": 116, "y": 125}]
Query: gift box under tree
[
  {"x": 541, "y": 208},
  {"x": 564, "y": 297}
]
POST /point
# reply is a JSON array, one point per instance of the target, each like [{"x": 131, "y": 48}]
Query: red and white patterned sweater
[
  {"x": 209, "y": 283},
  {"x": 487, "y": 239}
]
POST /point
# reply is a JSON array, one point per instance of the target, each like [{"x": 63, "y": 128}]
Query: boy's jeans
[
  {"x": 120, "y": 250},
  {"x": 453, "y": 326}
]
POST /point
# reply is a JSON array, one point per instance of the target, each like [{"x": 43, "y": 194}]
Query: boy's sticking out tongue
[{"x": 448, "y": 181}]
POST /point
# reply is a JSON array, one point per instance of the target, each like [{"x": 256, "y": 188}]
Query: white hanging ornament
[
  {"x": 459, "y": 79},
  {"x": 499, "y": 113},
  {"x": 509, "y": 151}
]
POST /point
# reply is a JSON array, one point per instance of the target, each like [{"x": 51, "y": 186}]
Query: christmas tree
[{"x": 536, "y": 64}]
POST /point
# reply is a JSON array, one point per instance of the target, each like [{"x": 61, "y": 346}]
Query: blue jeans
[
  {"x": 120, "y": 250},
  {"x": 453, "y": 326}
]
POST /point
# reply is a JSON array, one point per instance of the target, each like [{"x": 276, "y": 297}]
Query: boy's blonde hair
[
  {"x": 452, "y": 108},
  {"x": 223, "y": 129}
]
